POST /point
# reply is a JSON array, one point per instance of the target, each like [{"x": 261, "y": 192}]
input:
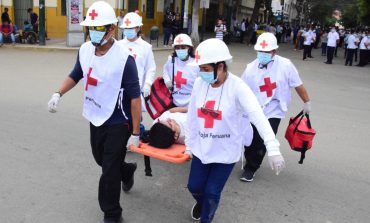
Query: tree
[
  {"x": 254, "y": 18},
  {"x": 364, "y": 11},
  {"x": 195, "y": 22}
]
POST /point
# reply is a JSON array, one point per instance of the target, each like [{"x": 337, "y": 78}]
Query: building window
[
  {"x": 63, "y": 7},
  {"x": 133, "y": 5},
  {"x": 150, "y": 9}
]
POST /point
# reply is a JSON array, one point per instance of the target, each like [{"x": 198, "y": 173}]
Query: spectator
[
  {"x": 120, "y": 21},
  {"x": 220, "y": 30},
  {"x": 27, "y": 26},
  {"x": 324, "y": 42},
  {"x": 34, "y": 18},
  {"x": 235, "y": 24},
  {"x": 5, "y": 16},
  {"x": 351, "y": 47},
  {"x": 176, "y": 26},
  {"x": 243, "y": 27},
  {"x": 167, "y": 23},
  {"x": 6, "y": 31}
]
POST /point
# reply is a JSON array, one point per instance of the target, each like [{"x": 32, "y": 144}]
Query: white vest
[
  {"x": 185, "y": 76},
  {"x": 102, "y": 81}
]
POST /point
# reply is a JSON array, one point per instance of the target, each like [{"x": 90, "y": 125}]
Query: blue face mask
[
  {"x": 264, "y": 58},
  {"x": 182, "y": 54},
  {"x": 96, "y": 37},
  {"x": 129, "y": 33},
  {"x": 208, "y": 77}
]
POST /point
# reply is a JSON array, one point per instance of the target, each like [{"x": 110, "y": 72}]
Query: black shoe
[
  {"x": 247, "y": 175},
  {"x": 345, "y": 64},
  {"x": 196, "y": 211},
  {"x": 310, "y": 56},
  {"x": 327, "y": 63},
  {"x": 120, "y": 220},
  {"x": 126, "y": 186}
]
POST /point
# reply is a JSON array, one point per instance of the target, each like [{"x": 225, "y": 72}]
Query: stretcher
[{"x": 174, "y": 154}]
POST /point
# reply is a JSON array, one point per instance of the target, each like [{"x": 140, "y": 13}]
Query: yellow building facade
[{"x": 152, "y": 12}]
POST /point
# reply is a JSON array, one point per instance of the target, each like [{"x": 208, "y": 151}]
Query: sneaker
[
  {"x": 126, "y": 186},
  {"x": 247, "y": 176},
  {"x": 196, "y": 211}
]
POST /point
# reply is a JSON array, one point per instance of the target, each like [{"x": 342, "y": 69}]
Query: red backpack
[
  {"x": 300, "y": 134},
  {"x": 159, "y": 100}
]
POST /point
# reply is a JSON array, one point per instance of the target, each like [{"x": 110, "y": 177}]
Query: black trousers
[
  {"x": 349, "y": 56},
  {"x": 242, "y": 36},
  {"x": 256, "y": 151},
  {"x": 310, "y": 50},
  {"x": 330, "y": 54},
  {"x": 306, "y": 51},
  {"x": 108, "y": 144},
  {"x": 363, "y": 57}
]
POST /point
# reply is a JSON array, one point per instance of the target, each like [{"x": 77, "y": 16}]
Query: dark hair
[
  {"x": 161, "y": 136},
  {"x": 29, "y": 10}
]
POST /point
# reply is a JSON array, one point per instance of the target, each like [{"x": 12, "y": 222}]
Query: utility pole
[{"x": 42, "y": 22}]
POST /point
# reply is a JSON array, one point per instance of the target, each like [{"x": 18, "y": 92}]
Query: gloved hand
[
  {"x": 168, "y": 84},
  {"x": 277, "y": 163},
  {"x": 307, "y": 107},
  {"x": 146, "y": 90},
  {"x": 52, "y": 104},
  {"x": 133, "y": 140},
  {"x": 188, "y": 152}
]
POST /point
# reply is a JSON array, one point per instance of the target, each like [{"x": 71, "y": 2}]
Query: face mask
[
  {"x": 333, "y": 30},
  {"x": 129, "y": 33},
  {"x": 182, "y": 54},
  {"x": 264, "y": 58},
  {"x": 96, "y": 37},
  {"x": 208, "y": 77}
]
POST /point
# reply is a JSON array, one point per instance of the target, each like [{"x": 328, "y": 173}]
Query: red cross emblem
[
  {"x": 197, "y": 56},
  {"x": 93, "y": 14},
  {"x": 208, "y": 118},
  {"x": 134, "y": 54},
  {"x": 179, "y": 40},
  {"x": 268, "y": 87},
  {"x": 179, "y": 80},
  {"x": 127, "y": 22},
  {"x": 90, "y": 80},
  {"x": 263, "y": 44}
]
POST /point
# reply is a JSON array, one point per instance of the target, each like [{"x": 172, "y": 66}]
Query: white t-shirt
[
  {"x": 364, "y": 40},
  {"x": 272, "y": 86},
  {"x": 351, "y": 42},
  {"x": 180, "y": 119},
  {"x": 332, "y": 39},
  {"x": 185, "y": 76},
  {"x": 219, "y": 138},
  {"x": 307, "y": 38}
]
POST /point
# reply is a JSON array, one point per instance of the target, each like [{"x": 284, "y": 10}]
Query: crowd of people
[{"x": 216, "y": 114}]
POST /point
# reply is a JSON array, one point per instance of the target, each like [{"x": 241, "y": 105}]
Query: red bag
[
  {"x": 159, "y": 100},
  {"x": 300, "y": 134}
]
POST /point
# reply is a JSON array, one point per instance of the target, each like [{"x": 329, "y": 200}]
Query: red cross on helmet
[
  {"x": 266, "y": 42},
  {"x": 100, "y": 14},
  {"x": 182, "y": 39},
  {"x": 211, "y": 51},
  {"x": 131, "y": 20}
]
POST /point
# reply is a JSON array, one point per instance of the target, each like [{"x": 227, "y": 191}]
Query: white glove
[
  {"x": 188, "y": 152},
  {"x": 146, "y": 90},
  {"x": 133, "y": 140},
  {"x": 52, "y": 104},
  {"x": 168, "y": 84},
  {"x": 307, "y": 108},
  {"x": 277, "y": 163}
]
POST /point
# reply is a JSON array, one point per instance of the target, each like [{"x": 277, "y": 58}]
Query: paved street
[{"x": 48, "y": 174}]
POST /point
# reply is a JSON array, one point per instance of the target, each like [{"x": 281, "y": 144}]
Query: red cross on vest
[
  {"x": 263, "y": 44},
  {"x": 179, "y": 40},
  {"x": 179, "y": 80},
  {"x": 268, "y": 87},
  {"x": 128, "y": 22},
  {"x": 197, "y": 56},
  {"x": 134, "y": 54},
  {"x": 93, "y": 14},
  {"x": 208, "y": 118},
  {"x": 90, "y": 80}
]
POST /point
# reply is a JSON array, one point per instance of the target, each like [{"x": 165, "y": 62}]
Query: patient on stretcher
[{"x": 167, "y": 129}]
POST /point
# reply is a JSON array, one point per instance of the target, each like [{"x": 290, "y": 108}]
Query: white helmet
[
  {"x": 99, "y": 14},
  {"x": 131, "y": 20},
  {"x": 182, "y": 39},
  {"x": 266, "y": 42},
  {"x": 211, "y": 51}
]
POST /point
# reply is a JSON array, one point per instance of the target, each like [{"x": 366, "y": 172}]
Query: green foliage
[{"x": 364, "y": 11}]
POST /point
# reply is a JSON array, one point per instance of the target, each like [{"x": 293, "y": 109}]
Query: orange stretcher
[{"x": 174, "y": 154}]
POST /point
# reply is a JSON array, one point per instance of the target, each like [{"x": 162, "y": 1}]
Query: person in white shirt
[
  {"x": 120, "y": 22},
  {"x": 140, "y": 50},
  {"x": 364, "y": 49},
  {"x": 271, "y": 78},
  {"x": 309, "y": 39},
  {"x": 333, "y": 40},
  {"x": 243, "y": 29},
  {"x": 178, "y": 76},
  {"x": 352, "y": 43},
  {"x": 220, "y": 29},
  {"x": 213, "y": 134}
]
